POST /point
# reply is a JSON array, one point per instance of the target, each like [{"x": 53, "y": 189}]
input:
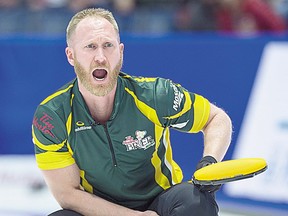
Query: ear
[
  {"x": 70, "y": 55},
  {"x": 121, "y": 46}
]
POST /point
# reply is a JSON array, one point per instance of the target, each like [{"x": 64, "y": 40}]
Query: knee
[
  {"x": 191, "y": 201},
  {"x": 65, "y": 212}
]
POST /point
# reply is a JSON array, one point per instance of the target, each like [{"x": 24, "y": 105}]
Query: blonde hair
[{"x": 89, "y": 12}]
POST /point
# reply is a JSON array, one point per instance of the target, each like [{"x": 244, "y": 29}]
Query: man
[{"x": 102, "y": 140}]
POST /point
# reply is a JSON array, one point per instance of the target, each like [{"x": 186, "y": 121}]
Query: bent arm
[
  {"x": 65, "y": 186},
  {"x": 217, "y": 133}
]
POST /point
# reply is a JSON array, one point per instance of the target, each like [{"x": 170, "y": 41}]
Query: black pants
[{"x": 180, "y": 200}]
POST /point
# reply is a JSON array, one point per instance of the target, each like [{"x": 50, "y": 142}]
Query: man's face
[{"x": 96, "y": 54}]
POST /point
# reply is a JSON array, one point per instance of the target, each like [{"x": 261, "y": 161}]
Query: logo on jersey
[
  {"x": 141, "y": 142},
  {"x": 81, "y": 126},
  {"x": 178, "y": 96},
  {"x": 44, "y": 124}
]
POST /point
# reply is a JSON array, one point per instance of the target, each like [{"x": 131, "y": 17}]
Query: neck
[{"x": 100, "y": 107}]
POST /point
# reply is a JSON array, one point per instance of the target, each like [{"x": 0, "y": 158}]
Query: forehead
[{"x": 92, "y": 27}]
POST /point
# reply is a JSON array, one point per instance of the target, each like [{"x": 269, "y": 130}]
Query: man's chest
[{"x": 128, "y": 138}]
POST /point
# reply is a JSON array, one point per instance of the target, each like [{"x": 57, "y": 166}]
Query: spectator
[
  {"x": 248, "y": 16},
  {"x": 153, "y": 17},
  {"x": 242, "y": 16},
  {"x": 124, "y": 13},
  {"x": 52, "y": 16},
  {"x": 11, "y": 12},
  {"x": 34, "y": 19},
  {"x": 281, "y": 8},
  {"x": 77, "y": 5},
  {"x": 143, "y": 16},
  {"x": 197, "y": 15}
]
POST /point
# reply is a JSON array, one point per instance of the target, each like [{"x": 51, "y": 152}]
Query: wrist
[
  {"x": 205, "y": 161},
  {"x": 209, "y": 158}
]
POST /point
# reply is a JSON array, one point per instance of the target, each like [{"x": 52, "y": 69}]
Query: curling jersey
[{"x": 128, "y": 160}]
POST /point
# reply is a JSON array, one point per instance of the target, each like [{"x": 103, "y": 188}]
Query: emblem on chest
[{"x": 141, "y": 141}]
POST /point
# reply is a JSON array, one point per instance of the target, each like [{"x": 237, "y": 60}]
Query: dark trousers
[{"x": 180, "y": 200}]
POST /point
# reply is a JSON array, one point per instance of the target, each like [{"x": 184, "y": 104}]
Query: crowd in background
[{"x": 148, "y": 16}]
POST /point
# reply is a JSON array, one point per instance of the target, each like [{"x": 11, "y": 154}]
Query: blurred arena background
[{"x": 233, "y": 52}]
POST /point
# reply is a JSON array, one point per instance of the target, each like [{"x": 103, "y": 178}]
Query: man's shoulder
[
  {"x": 60, "y": 98},
  {"x": 151, "y": 90},
  {"x": 145, "y": 83}
]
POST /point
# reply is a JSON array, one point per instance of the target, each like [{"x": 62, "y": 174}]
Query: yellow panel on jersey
[
  {"x": 149, "y": 112},
  {"x": 68, "y": 123},
  {"x": 69, "y": 148},
  {"x": 54, "y": 160},
  {"x": 56, "y": 94},
  {"x": 52, "y": 147},
  {"x": 71, "y": 101},
  {"x": 178, "y": 172},
  {"x": 69, "y": 119},
  {"x": 160, "y": 178},
  {"x": 201, "y": 113},
  {"x": 186, "y": 107},
  {"x": 141, "y": 79},
  {"x": 175, "y": 170},
  {"x": 145, "y": 79},
  {"x": 88, "y": 187}
]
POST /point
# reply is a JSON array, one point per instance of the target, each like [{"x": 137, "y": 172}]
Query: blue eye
[
  {"x": 91, "y": 46},
  {"x": 108, "y": 44}
]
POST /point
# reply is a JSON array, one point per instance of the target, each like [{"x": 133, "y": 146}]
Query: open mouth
[{"x": 99, "y": 74}]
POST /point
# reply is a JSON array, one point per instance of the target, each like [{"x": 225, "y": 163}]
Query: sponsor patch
[
  {"x": 44, "y": 124},
  {"x": 178, "y": 96},
  {"x": 141, "y": 142},
  {"x": 81, "y": 126}
]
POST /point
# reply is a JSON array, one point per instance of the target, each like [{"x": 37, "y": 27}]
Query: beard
[{"x": 99, "y": 89}]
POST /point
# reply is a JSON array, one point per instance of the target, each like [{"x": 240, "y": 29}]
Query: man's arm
[
  {"x": 217, "y": 133},
  {"x": 65, "y": 186}
]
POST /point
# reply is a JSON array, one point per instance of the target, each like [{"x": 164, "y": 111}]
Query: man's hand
[{"x": 206, "y": 161}]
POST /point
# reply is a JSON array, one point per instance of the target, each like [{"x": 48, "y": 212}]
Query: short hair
[{"x": 90, "y": 12}]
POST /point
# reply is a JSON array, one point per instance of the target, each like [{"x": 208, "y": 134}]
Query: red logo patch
[{"x": 43, "y": 124}]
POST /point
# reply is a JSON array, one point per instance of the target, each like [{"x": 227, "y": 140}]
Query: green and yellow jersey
[{"x": 128, "y": 160}]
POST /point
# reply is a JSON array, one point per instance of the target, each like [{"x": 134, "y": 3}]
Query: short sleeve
[
  {"x": 50, "y": 140},
  {"x": 182, "y": 110}
]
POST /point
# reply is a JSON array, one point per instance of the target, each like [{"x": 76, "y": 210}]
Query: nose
[{"x": 100, "y": 57}]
